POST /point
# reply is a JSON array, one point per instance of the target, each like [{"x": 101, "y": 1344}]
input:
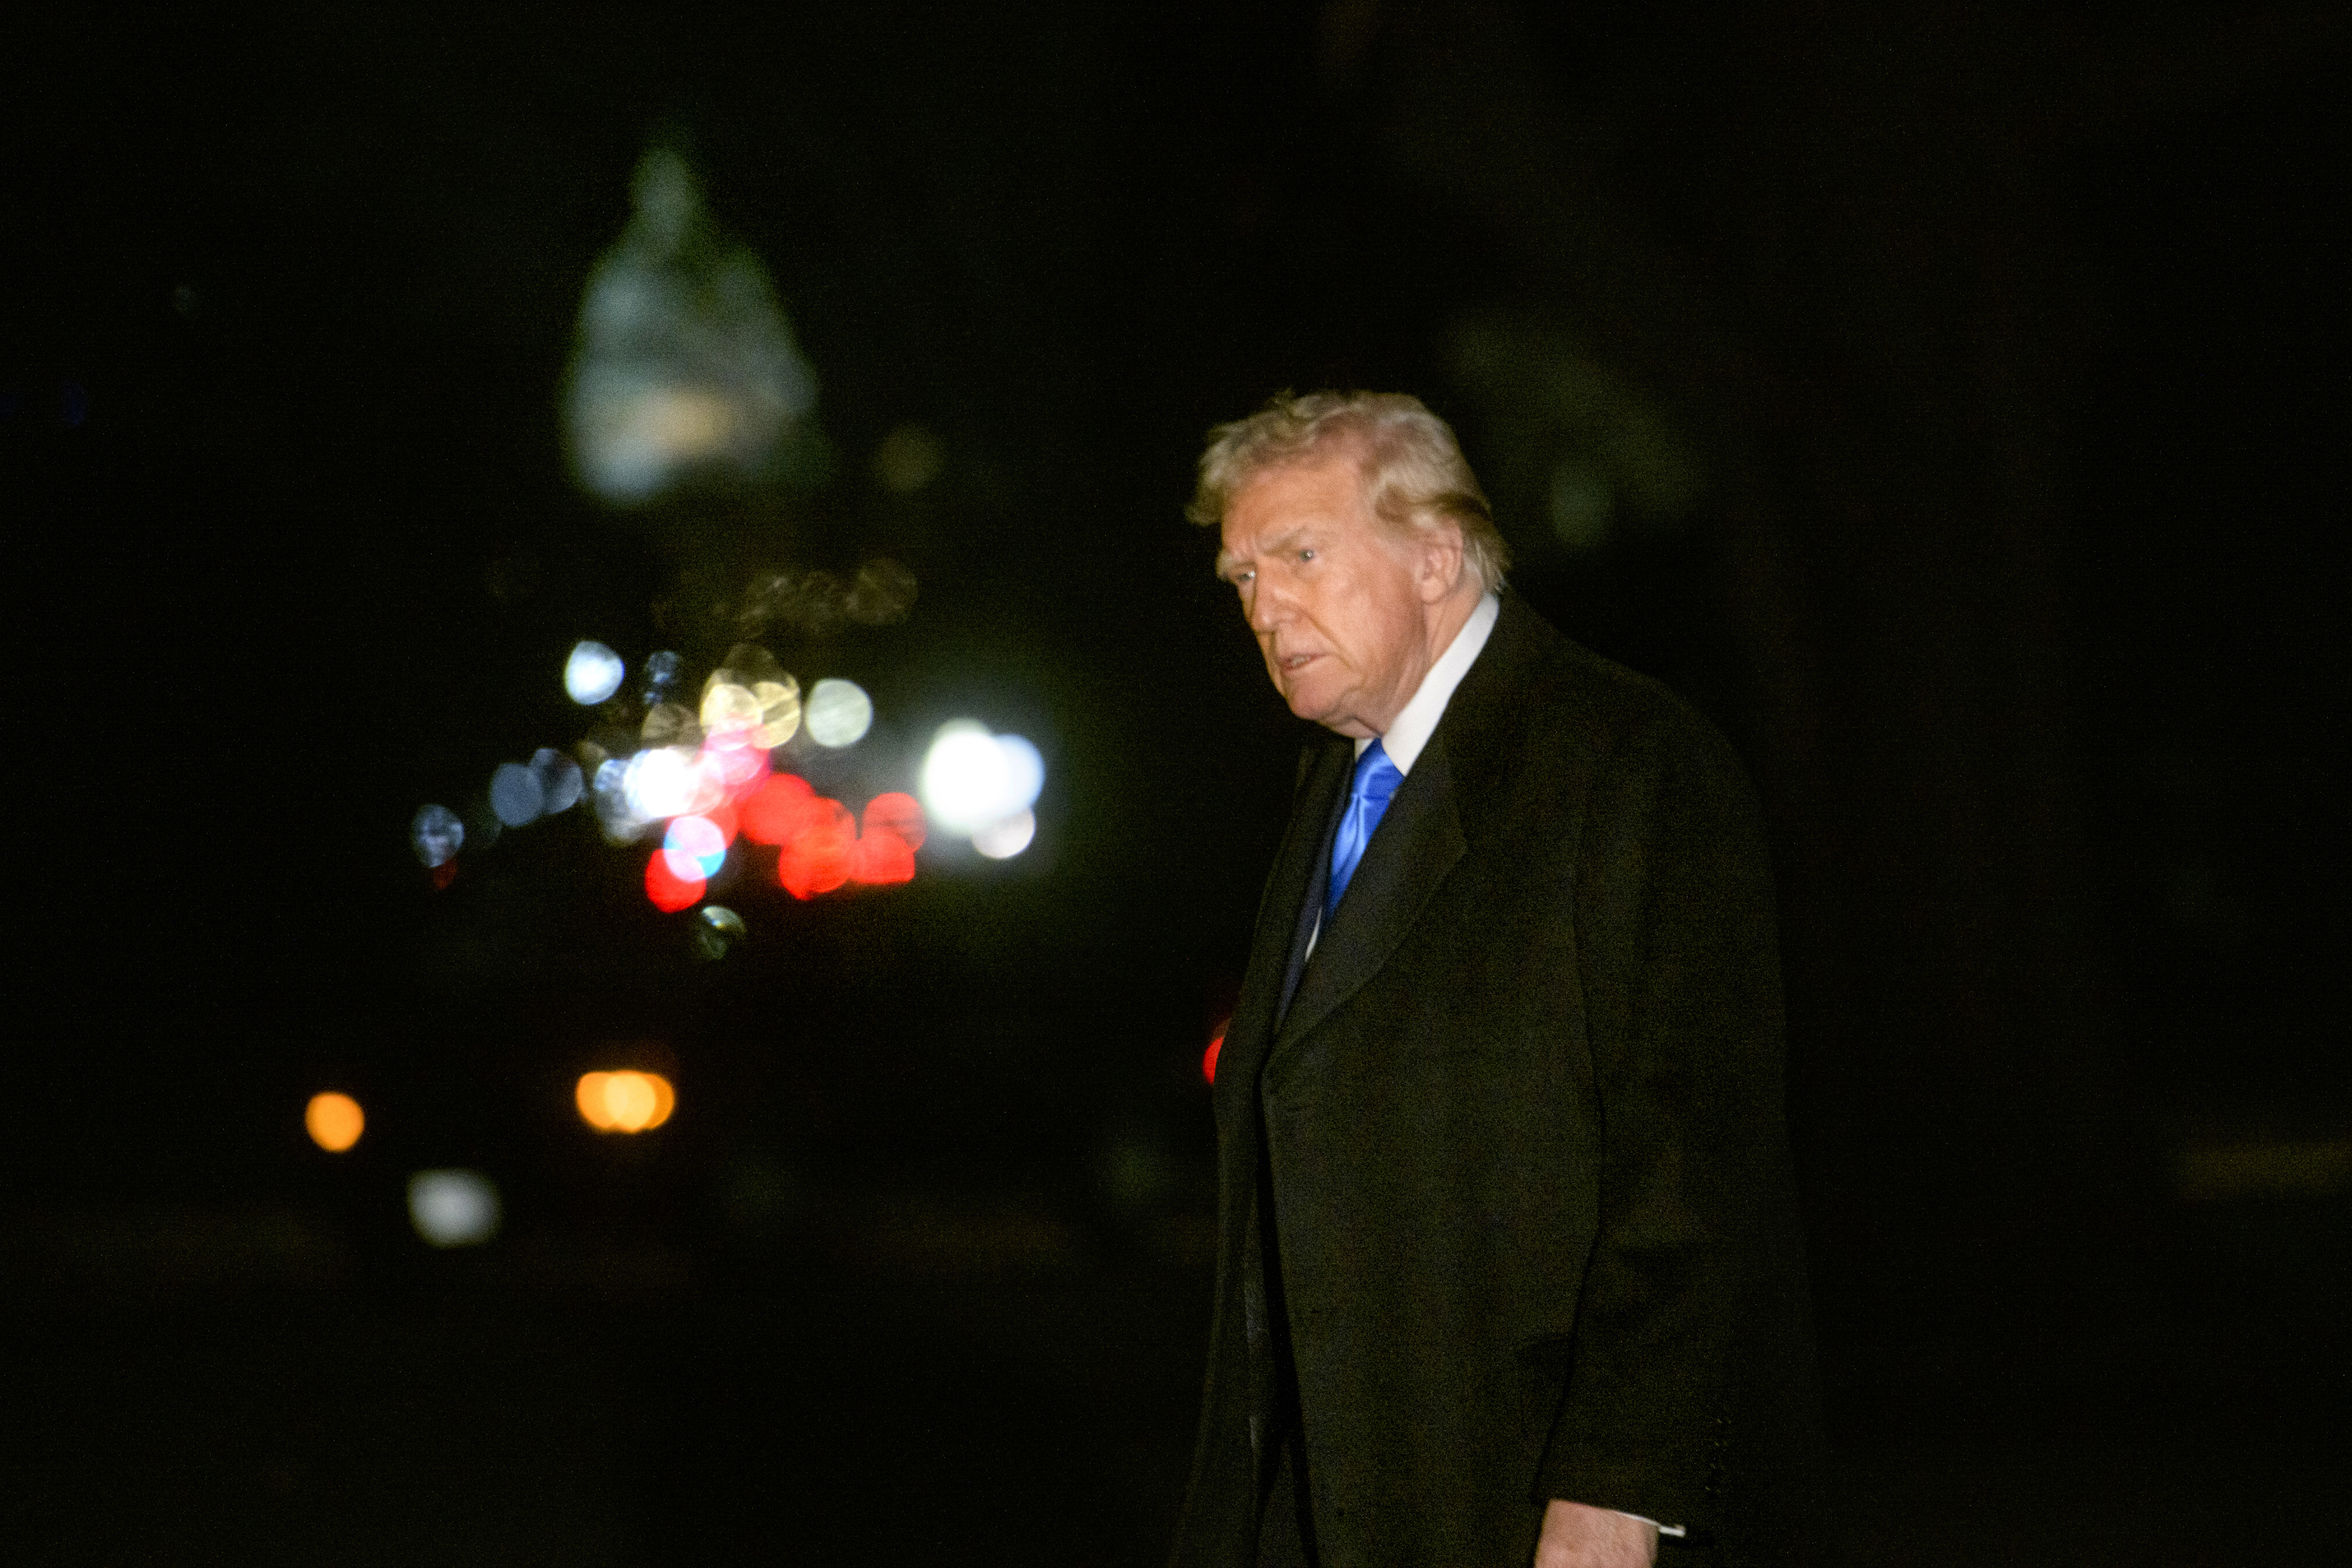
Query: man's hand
[{"x": 1575, "y": 1536}]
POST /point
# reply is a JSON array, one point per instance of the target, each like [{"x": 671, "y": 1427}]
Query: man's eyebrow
[{"x": 1227, "y": 561}]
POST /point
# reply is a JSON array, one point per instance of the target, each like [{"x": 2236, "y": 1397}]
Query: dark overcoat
[{"x": 1519, "y": 1141}]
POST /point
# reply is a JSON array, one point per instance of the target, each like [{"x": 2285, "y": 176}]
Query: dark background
[{"x": 1969, "y": 383}]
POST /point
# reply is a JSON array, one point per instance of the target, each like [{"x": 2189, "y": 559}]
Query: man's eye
[{"x": 1306, "y": 556}]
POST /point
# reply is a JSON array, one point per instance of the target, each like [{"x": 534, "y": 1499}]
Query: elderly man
[{"x": 1509, "y": 1269}]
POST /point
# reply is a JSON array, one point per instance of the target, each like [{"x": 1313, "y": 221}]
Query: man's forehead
[{"x": 1274, "y": 505}]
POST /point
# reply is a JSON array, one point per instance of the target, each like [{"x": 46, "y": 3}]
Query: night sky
[{"x": 1951, "y": 402}]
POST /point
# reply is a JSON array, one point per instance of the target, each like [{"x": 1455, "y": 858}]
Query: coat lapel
[
  {"x": 1420, "y": 837},
  {"x": 1417, "y": 844},
  {"x": 1294, "y": 878}
]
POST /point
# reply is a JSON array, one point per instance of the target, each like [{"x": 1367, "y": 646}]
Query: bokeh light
[
  {"x": 670, "y": 724},
  {"x": 695, "y": 848},
  {"x": 593, "y": 674},
  {"x": 736, "y": 759},
  {"x": 819, "y": 852},
  {"x": 885, "y": 852},
  {"x": 882, "y": 859},
  {"x": 747, "y": 664},
  {"x": 436, "y": 835},
  {"x": 662, "y": 670},
  {"x": 624, "y": 1101},
  {"x": 1003, "y": 841},
  {"x": 669, "y": 891},
  {"x": 717, "y": 932},
  {"x": 1024, "y": 770},
  {"x": 517, "y": 796},
  {"x": 882, "y": 594},
  {"x": 333, "y": 1121},
  {"x": 770, "y": 699},
  {"x": 728, "y": 709},
  {"x": 838, "y": 713},
  {"x": 773, "y": 810},
  {"x": 671, "y": 781},
  {"x": 614, "y": 814},
  {"x": 780, "y": 710},
  {"x": 1209, "y": 1057},
  {"x": 454, "y": 1209},
  {"x": 963, "y": 777},
  {"x": 897, "y": 814},
  {"x": 971, "y": 779},
  {"x": 560, "y": 785}
]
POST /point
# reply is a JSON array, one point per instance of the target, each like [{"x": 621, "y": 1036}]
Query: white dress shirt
[
  {"x": 1410, "y": 731},
  {"x": 1417, "y": 720}
]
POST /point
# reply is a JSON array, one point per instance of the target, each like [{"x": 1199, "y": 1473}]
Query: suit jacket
[{"x": 1517, "y": 1145}]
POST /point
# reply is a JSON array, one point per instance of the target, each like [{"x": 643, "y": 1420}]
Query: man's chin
[
  {"x": 1316, "y": 708},
  {"x": 1332, "y": 714}
]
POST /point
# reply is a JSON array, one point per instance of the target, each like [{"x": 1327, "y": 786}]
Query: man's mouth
[{"x": 1291, "y": 661}]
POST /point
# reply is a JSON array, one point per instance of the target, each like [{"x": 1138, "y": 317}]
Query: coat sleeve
[{"x": 1680, "y": 976}]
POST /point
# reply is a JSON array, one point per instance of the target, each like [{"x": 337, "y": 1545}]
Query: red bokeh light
[
  {"x": 665, "y": 888},
  {"x": 881, "y": 859},
  {"x": 817, "y": 853},
  {"x": 445, "y": 873},
  {"x": 771, "y": 812},
  {"x": 897, "y": 814},
  {"x": 1209, "y": 1058}
]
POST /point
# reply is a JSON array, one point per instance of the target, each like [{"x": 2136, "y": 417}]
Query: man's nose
[{"x": 1268, "y": 607}]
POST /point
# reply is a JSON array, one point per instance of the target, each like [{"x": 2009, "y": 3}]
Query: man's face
[{"x": 1336, "y": 598}]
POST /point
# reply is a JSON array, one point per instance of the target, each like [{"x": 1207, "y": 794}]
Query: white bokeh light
[
  {"x": 1024, "y": 771},
  {"x": 963, "y": 777},
  {"x": 1004, "y": 840},
  {"x": 837, "y": 713},
  {"x": 593, "y": 674},
  {"x": 517, "y": 794},
  {"x": 453, "y": 1208},
  {"x": 972, "y": 778},
  {"x": 669, "y": 780},
  {"x": 560, "y": 779},
  {"x": 614, "y": 814},
  {"x": 436, "y": 835}
]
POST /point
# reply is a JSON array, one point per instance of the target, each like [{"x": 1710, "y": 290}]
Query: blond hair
[{"x": 1412, "y": 469}]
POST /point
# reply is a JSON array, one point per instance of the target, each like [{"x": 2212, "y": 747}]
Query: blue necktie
[{"x": 1368, "y": 798}]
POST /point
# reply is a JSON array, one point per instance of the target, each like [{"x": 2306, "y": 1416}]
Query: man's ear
[{"x": 1440, "y": 560}]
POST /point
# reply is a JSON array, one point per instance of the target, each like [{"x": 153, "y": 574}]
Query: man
[{"x": 1509, "y": 1269}]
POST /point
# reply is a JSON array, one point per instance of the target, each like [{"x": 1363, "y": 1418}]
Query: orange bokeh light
[
  {"x": 665, "y": 888},
  {"x": 624, "y": 1101},
  {"x": 334, "y": 1120},
  {"x": 1209, "y": 1057}
]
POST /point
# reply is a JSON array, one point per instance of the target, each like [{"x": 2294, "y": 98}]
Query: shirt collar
[{"x": 1418, "y": 721}]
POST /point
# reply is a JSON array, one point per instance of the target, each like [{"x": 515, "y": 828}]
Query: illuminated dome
[{"x": 684, "y": 364}]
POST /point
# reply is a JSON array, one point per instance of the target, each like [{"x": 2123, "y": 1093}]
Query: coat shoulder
[{"x": 1558, "y": 699}]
